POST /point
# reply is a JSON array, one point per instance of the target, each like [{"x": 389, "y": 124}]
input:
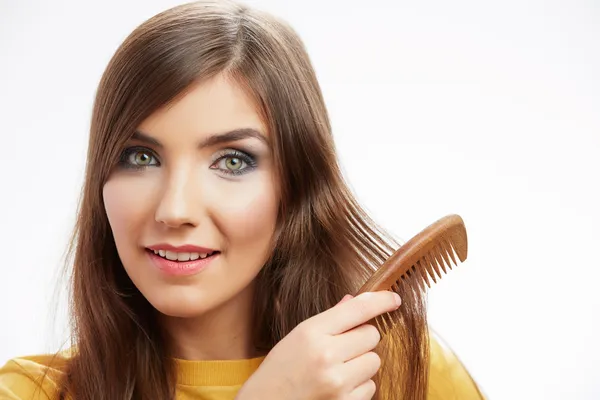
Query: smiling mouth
[{"x": 182, "y": 256}]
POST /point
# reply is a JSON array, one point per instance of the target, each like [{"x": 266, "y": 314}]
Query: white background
[{"x": 488, "y": 109}]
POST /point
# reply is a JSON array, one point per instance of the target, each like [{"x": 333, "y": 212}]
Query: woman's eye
[
  {"x": 232, "y": 163},
  {"x": 141, "y": 158},
  {"x": 136, "y": 157},
  {"x": 235, "y": 163}
]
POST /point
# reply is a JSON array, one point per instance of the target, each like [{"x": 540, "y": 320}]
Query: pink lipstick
[{"x": 181, "y": 260}]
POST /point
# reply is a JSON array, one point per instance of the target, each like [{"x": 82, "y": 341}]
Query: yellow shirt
[{"x": 217, "y": 380}]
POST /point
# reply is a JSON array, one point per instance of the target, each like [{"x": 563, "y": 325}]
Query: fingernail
[
  {"x": 398, "y": 299},
  {"x": 346, "y": 297}
]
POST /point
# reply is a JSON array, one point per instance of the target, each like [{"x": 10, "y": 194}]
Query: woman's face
[{"x": 196, "y": 185}]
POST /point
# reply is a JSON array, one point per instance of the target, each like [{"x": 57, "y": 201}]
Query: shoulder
[
  {"x": 448, "y": 378},
  {"x": 33, "y": 377}
]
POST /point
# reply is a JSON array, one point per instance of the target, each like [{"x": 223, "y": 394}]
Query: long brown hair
[{"x": 327, "y": 245}]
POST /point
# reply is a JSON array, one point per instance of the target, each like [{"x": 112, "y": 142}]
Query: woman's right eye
[{"x": 138, "y": 157}]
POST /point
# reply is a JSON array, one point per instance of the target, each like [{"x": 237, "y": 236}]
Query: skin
[
  {"x": 182, "y": 194},
  {"x": 328, "y": 356}
]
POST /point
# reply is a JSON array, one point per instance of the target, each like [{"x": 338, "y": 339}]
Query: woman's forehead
[{"x": 213, "y": 106}]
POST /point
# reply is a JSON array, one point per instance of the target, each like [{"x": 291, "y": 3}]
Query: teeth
[
  {"x": 183, "y": 256},
  {"x": 174, "y": 256}
]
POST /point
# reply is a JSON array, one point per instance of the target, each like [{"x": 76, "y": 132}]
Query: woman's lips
[
  {"x": 186, "y": 248},
  {"x": 180, "y": 268}
]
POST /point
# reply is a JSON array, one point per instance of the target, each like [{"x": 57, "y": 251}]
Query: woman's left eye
[{"x": 234, "y": 163}]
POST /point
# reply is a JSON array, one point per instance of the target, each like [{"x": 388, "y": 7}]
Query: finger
[
  {"x": 356, "y": 311},
  {"x": 365, "y": 391},
  {"x": 345, "y": 298},
  {"x": 356, "y": 342},
  {"x": 360, "y": 369}
]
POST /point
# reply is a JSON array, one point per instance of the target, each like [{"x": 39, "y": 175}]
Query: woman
[{"x": 216, "y": 235}]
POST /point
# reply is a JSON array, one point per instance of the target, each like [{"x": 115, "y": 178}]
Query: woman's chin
[
  {"x": 180, "y": 311},
  {"x": 181, "y": 305}
]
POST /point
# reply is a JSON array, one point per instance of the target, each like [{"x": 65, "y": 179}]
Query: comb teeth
[
  {"x": 384, "y": 323},
  {"x": 436, "y": 259},
  {"x": 417, "y": 277},
  {"x": 428, "y": 266},
  {"x": 424, "y": 258}
]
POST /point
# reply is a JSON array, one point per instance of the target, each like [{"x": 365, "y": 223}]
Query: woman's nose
[{"x": 178, "y": 205}]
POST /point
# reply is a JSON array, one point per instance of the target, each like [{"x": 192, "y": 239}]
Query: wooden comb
[{"x": 420, "y": 259}]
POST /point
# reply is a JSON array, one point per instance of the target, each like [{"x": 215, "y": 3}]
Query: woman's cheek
[
  {"x": 248, "y": 214},
  {"x": 128, "y": 203}
]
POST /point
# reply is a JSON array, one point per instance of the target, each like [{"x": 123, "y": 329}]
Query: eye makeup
[{"x": 229, "y": 161}]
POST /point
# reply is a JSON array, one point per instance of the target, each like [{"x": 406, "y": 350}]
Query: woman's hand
[{"x": 328, "y": 356}]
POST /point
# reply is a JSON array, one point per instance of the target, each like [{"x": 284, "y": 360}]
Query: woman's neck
[{"x": 224, "y": 333}]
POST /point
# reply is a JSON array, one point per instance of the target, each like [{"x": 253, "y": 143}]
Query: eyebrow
[{"x": 213, "y": 140}]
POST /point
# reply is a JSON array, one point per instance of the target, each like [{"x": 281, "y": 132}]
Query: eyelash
[
  {"x": 247, "y": 158},
  {"x": 124, "y": 161}
]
